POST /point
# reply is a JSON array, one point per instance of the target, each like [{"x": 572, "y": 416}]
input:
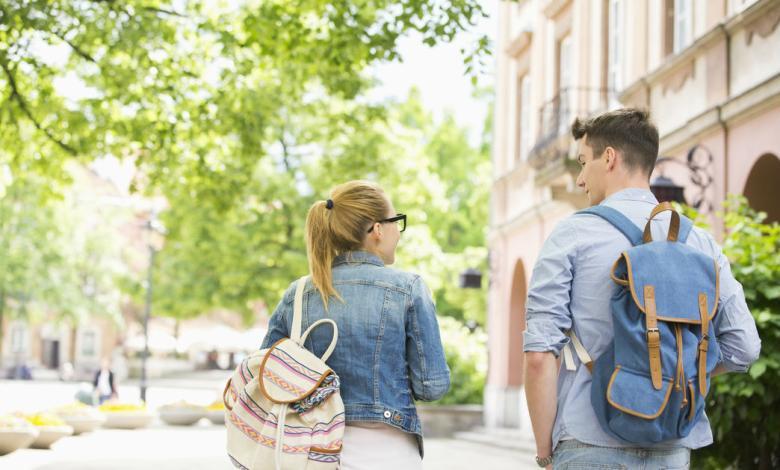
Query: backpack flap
[
  {"x": 290, "y": 373},
  {"x": 679, "y": 276}
]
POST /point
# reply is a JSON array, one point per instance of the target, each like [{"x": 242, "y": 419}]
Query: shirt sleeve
[
  {"x": 547, "y": 311},
  {"x": 735, "y": 327}
]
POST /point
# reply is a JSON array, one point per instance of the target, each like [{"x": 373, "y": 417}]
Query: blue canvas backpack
[{"x": 651, "y": 383}]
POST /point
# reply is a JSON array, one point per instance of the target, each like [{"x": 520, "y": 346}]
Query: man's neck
[{"x": 637, "y": 182}]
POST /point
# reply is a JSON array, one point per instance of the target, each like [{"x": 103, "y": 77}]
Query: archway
[{"x": 762, "y": 189}]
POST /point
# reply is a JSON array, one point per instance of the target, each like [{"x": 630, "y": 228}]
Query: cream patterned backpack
[{"x": 283, "y": 406}]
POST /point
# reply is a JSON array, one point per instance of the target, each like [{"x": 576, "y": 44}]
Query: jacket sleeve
[
  {"x": 428, "y": 370},
  {"x": 278, "y": 324}
]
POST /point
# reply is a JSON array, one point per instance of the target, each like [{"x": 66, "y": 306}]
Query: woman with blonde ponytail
[{"x": 389, "y": 351}]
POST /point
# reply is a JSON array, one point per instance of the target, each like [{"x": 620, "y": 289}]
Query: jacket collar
[{"x": 358, "y": 257}]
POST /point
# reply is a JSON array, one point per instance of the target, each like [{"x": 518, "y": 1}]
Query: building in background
[{"x": 707, "y": 70}]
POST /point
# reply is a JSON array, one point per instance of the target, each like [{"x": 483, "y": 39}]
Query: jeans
[{"x": 577, "y": 455}]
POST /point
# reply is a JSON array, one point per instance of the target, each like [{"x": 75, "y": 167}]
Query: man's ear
[{"x": 610, "y": 158}]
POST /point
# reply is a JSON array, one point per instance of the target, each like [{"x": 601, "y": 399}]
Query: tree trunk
[{"x": 74, "y": 328}]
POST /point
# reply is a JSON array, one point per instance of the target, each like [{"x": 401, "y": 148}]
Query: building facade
[{"x": 707, "y": 70}]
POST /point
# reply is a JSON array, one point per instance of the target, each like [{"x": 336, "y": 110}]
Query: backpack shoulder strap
[
  {"x": 295, "y": 331},
  {"x": 686, "y": 225},
  {"x": 619, "y": 221}
]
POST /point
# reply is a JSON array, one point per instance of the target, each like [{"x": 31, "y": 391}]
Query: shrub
[
  {"x": 744, "y": 409},
  {"x": 467, "y": 358}
]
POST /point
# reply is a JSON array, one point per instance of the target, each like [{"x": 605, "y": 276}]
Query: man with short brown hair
[{"x": 570, "y": 292}]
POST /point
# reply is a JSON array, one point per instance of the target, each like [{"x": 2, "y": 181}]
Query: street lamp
[
  {"x": 666, "y": 190},
  {"x": 698, "y": 162},
  {"x": 471, "y": 279},
  {"x": 155, "y": 231}
]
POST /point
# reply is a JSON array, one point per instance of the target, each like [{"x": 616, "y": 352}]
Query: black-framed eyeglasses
[{"x": 398, "y": 218}]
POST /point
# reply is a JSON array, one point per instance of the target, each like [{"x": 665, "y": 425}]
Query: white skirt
[{"x": 377, "y": 446}]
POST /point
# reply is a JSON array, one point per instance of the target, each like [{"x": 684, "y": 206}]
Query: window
[
  {"x": 683, "y": 25},
  {"x": 524, "y": 117},
  {"x": 615, "y": 47},
  {"x": 18, "y": 339},
  {"x": 564, "y": 83},
  {"x": 88, "y": 340}
]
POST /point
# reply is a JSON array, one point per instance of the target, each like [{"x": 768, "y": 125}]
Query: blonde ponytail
[{"x": 355, "y": 206}]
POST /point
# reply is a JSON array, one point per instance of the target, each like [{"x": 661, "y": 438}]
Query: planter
[
  {"x": 128, "y": 419},
  {"x": 48, "y": 435},
  {"x": 216, "y": 416},
  {"x": 181, "y": 417},
  {"x": 14, "y": 439},
  {"x": 82, "y": 424},
  {"x": 446, "y": 420}
]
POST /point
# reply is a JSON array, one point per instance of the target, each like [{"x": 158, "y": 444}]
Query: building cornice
[
  {"x": 677, "y": 68},
  {"x": 542, "y": 210},
  {"x": 553, "y": 8},
  {"x": 761, "y": 18},
  {"x": 520, "y": 170},
  {"x": 754, "y": 101},
  {"x": 520, "y": 44}
]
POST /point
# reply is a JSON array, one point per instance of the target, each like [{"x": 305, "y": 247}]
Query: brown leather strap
[
  {"x": 703, "y": 344},
  {"x": 224, "y": 394},
  {"x": 622, "y": 282},
  {"x": 653, "y": 338},
  {"x": 692, "y": 409},
  {"x": 674, "y": 225}
]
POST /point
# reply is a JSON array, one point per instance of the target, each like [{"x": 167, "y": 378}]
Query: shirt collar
[
  {"x": 632, "y": 194},
  {"x": 357, "y": 257}
]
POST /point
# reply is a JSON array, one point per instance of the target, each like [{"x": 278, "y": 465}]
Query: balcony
[{"x": 552, "y": 155}]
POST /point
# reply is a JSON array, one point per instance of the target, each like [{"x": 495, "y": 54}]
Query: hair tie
[{"x": 329, "y": 204}]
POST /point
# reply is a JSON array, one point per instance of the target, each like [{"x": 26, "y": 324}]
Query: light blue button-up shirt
[{"x": 571, "y": 288}]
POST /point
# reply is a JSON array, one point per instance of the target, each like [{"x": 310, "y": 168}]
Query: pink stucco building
[{"x": 709, "y": 72}]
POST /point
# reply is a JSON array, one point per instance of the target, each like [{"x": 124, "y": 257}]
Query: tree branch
[
  {"x": 15, "y": 95},
  {"x": 164, "y": 12},
  {"x": 78, "y": 50},
  {"x": 286, "y": 157}
]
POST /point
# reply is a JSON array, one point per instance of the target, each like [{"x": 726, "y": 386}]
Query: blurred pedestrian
[{"x": 105, "y": 383}]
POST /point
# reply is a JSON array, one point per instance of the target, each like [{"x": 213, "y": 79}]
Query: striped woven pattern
[
  {"x": 290, "y": 372},
  {"x": 312, "y": 439}
]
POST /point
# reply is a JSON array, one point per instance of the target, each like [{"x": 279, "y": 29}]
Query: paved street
[{"x": 200, "y": 447}]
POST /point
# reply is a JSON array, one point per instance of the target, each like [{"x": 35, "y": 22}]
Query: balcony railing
[{"x": 555, "y": 119}]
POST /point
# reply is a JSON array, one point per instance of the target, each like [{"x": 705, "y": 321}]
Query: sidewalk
[{"x": 200, "y": 447}]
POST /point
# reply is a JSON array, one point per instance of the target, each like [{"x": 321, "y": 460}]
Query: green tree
[
  {"x": 190, "y": 88},
  {"x": 56, "y": 256},
  {"x": 226, "y": 256}
]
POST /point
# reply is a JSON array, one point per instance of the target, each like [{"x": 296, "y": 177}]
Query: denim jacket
[{"x": 389, "y": 351}]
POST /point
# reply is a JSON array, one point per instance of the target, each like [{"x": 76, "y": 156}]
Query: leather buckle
[{"x": 655, "y": 332}]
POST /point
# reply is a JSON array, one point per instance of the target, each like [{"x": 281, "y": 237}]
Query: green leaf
[{"x": 758, "y": 369}]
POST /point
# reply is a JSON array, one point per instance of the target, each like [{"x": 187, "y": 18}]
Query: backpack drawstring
[
  {"x": 279, "y": 448},
  {"x": 679, "y": 380}
]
